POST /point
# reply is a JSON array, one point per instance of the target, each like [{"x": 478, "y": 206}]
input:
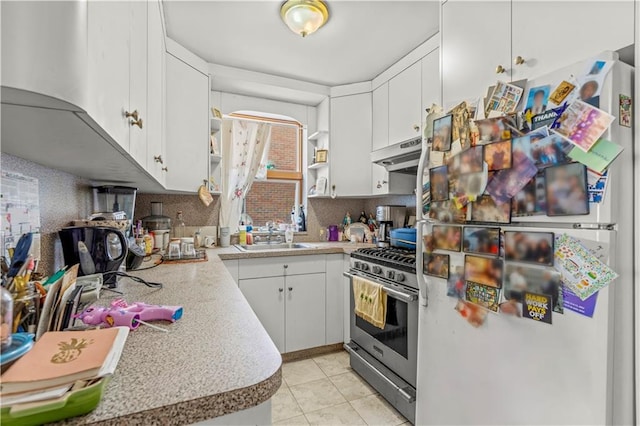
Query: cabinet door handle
[
  {"x": 133, "y": 114},
  {"x": 379, "y": 185},
  {"x": 416, "y": 127},
  {"x": 165, "y": 169},
  {"x": 518, "y": 60},
  {"x": 286, "y": 266},
  {"x": 137, "y": 122},
  {"x": 158, "y": 159},
  {"x": 281, "y": 289},
  {"x": 290, "y": 288},
  {"x": 500, "y": 69}
]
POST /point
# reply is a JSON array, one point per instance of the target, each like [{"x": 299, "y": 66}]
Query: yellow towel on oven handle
[{"x": 370, "y": 301}]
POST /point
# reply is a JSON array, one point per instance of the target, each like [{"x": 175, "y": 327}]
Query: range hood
[{"x": 400, "y": 158}]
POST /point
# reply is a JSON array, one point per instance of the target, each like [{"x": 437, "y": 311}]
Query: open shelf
[
  {"x": 317, "y": 135},
  {"x": 318, "y": 165},
  {"x": 216, "y": 124},
  {"x": 215, "y": 158}
]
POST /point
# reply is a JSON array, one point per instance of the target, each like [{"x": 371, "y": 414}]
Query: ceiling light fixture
[{"x": 304, "y": 17}]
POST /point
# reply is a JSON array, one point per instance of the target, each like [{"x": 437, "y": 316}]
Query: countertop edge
[
  {"x": 318, "y": 249},
  {"x": 205, "y": 408}
]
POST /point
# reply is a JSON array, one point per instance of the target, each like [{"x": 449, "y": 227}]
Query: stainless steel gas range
[{"x": 386, "y": 358}]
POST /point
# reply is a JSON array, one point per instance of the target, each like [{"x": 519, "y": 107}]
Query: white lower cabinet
[
  {"x": 304, "y": 311},
  {"x": 266, "y": 297},
  {"x": 298, "y": 299}
]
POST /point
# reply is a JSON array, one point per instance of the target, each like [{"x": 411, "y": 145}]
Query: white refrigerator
[{"x": 579, "y": 370}]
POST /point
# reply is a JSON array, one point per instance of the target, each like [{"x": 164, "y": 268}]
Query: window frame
[{"x": 283, "y": 175}]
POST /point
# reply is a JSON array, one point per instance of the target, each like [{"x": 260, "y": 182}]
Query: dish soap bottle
[
  {"x": 178, "y": 227},
  {"x": 242, "y": 234}
]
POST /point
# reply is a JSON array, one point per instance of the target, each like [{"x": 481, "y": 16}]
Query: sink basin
[{"x": 273, "y": 246}]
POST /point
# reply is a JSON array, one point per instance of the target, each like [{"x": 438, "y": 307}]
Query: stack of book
[{"x": 63, "y": 375}]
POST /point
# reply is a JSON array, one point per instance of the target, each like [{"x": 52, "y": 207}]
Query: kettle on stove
[{"x": 97, "y": 249}]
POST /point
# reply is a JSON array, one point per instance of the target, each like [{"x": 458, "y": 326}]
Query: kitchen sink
[{"x": 273, "y": 246}]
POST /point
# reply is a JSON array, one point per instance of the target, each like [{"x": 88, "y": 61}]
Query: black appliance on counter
[{"x": 97, "y": 249}]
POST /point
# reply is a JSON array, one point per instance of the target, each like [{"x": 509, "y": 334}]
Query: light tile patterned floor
[{"x": 325, "y": 391}]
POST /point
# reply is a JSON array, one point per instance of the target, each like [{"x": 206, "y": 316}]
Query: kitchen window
[{"x": 273, "y": 198}]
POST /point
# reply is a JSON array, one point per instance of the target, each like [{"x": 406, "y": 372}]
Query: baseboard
[{"x": 309, "y": 353}]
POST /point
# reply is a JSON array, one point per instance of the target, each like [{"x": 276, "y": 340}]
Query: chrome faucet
[{"x": 271, "y": 229}]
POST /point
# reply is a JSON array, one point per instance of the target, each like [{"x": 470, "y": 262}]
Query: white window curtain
[{"x": 245, "y": 148}]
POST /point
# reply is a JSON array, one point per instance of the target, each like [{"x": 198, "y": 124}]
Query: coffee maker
[
  {"x": 98, "y": 249},
  {"x": 389, "y": 217}
]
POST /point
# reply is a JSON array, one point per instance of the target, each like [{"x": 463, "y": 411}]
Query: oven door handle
[{"x": 405, "y": 297}]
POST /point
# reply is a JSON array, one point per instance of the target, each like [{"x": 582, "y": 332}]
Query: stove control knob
[
  {"x": 365, "y": 267},
  {"x": 377, "y": 270},
  {"x": 391, "y": 274},
  {"x": 357, "y": 265},
  {"x": 399, "y": 277}
]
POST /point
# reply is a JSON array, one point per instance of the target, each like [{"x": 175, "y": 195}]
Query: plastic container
[
  {"x": 333, "y": 232},
  {"x": 225, "y": 236},
  {"x": 249, "y": 235},
  {"x": 404, "y": 238}
]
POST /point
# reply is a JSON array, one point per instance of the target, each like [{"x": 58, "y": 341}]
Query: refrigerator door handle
[{"x": 422, "y": 285}]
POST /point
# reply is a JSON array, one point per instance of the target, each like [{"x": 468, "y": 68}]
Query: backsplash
[
  {"x": 194, "y": 212},
  {"x": 63, "y": 198},
  {"x": 321, "y": 212}
]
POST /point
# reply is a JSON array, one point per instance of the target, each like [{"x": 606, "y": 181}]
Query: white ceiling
[{"x": 360, "y": 40}]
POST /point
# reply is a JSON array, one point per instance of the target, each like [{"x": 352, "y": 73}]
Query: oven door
[{"x": 396, "y": 345}]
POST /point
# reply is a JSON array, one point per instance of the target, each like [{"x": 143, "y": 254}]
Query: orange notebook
[{"x": 64, "y": 357}]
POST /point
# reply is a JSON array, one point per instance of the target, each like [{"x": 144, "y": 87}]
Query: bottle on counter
[
  {"x": 179, "y": 225},
  {"x": 148, "y": 243},
  {"x": 6, "y": 318},
  {"x": 302, "y": 225},
  {"x": 242, "y": 234},
  {"x": 197, "y": 239},
  {"x": 288, "y": 234}
]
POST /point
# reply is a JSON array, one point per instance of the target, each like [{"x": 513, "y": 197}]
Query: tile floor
[{"x": 325, "y": 391}]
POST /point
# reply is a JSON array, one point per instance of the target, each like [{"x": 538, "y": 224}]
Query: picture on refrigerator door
[
  {"x": 437, "y": 265},
  {"x": 481, "y": 240},
  {"x": 442, "y": 134},
  {"x": 625, "y": 111},
  {"x": 468, "y": 187},
  {"x": 510, "y": 307},
  {"x": 495, "y": 129},
  {"x": 580, "y": 269},
  {"x": 483, "y": 270},
  {"x": 461, "y": 114},
  {"x": 519, "y": 279},
  {"x": 484, "y": 209},
  {"x": 561, "y": 92},
  {"x": 547, "y": 118},
  {"x": 529, "y": 247},
  {"x": 537, "y": 307},
  {"x": 471, "y": 160},
  {"x": 537, "y": 100},
  {"x": 530, "y": 200},
  {"x": 483, "y": 295},
  {"x": 439, "y": 180},
  {"x": 455, "y": 283},
  {"x": 522, "y": 144},
  {"x": 592, "y": 79},
  {"x": 474, "y": 314},
  {"x": 583, "y": 124},
  {"x": 505, "y": 98},
  {"x": 550, "y": 151},
  {"x": 447, "y": 237},
  {"x": 566, "y": 190},
  {"x": 505, "y": 184},
  {"x": 446, "y": 212},
  {"x": 497, "y": 155}
]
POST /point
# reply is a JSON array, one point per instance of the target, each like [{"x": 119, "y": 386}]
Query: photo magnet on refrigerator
[{"x": 537, "y": 307}]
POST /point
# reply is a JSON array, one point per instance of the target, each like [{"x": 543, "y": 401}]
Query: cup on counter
[
  {"x": 225, "y": 236},
  {"x": 210, "y": 241},
  {"x": 174, "y": 248}
]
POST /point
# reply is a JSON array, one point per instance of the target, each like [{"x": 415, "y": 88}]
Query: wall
[
  {"x": 194, "y": 212},
  {"x": 63, "y": 197}
]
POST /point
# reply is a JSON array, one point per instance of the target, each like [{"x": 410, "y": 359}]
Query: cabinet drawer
[{"x": 275, "y": 266}]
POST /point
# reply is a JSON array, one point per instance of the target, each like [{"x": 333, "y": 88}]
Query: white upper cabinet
[
  {"x": 381, "y": 117},
  {"x": 475, "y": 42},
  {"x": 187, "y": 126},
  {"x": 574, "y": 31},
  {"x": 405, "y": 104},
  {"x": 431, "y": 87},
  {"x": 138, "y": 55},
  {"x": 351, "y": 145},
  {"x": 155, "y": 153},
  {"x": 109, "y": 29}
]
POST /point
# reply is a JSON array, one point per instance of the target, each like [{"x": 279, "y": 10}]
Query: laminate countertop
[{"x": 216, "y": 360}]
